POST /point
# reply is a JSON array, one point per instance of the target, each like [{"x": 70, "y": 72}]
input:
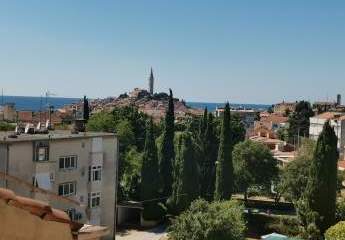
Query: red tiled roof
[
  {"x": 38, "y": 208},
  {"x": 331, "y": 115}
]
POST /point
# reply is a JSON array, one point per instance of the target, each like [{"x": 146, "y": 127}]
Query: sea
[
  {"x": 36, "y": 103},
  {"x": 211, "y": 107}
]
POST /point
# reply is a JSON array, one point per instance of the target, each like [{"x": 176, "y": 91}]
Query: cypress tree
[
  {"x": 224, "y": 168},
  {"x": 208, "y": 171},
  {"x": 322, "y": 183},
  {"x": 86, "y": 109},
  {"x": 203, "y": 125},
  {"x": 167, "y": 152},
  {"x": 149, "y": 181},
  {"x": 186, "y": 186}
]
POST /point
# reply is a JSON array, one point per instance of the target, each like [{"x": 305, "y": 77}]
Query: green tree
[
  {"x": 224, "y": 168},
  {"x": 101, "y": 121},
  {"x": 208, "y": 167},
  {"x": 125, "y": 133},
  {"x": 167, "y": 151},
  {"x": 86, "y": 109},
  {"x": 254, "y": 164},
  {"x": 131, "y": 177},
  {"x": 209, "y": 221},
  {"x": 150, "y": 182},
  {"x": 186, "y": 178},
  {"x": 299, "y": 121},
  {"x": 238, "y": 130},
  {"x": 294, "y": 176},
  {"x": 336, "y": 232},
  {"x": 322, "y": 183},
  {"x": 203, "y": 125}
]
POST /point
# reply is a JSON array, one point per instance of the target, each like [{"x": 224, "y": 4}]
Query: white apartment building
[
  {"x": 337, "y": 120},
  {"x": 78, "y": 166}
]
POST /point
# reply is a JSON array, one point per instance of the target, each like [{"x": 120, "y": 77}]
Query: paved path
[{"x": 153, "y": 234}]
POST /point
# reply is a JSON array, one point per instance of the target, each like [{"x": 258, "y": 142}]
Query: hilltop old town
[
  {"x": 172, "y": 120},
  {"x": 147, "y": 163}
]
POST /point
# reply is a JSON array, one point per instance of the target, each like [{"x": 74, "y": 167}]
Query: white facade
[
  {"x": 81, "y": 167},
  {"x": 337, "y": 121}
]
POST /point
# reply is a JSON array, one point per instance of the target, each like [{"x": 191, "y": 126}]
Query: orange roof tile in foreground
[{"x": 47, "y": 213}]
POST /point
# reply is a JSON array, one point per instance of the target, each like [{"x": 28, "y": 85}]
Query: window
[
  {"x": 41, "y": 151},
  {"x": 94, "y": 200},
  {"x": 68, "y": 162},
  {"x": 42, "y": 154},
  {"x": 67, "y": 189},
  {"x": 95, "y": 173},
  {"x": 74, "y": 215}
]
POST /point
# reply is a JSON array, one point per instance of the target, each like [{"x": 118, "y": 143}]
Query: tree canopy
[
  {"x": 321, "y": 189},
  {"x": 299, "y": 121},
  {"x": 150, "y": 182},
  {"x": 209, "y": 221},
  {"x": 167, "y": 151},
  {"x": 224, "y": 168},
  {"x": 186, "y": 177},
  {"x": 254, "y": 164}
]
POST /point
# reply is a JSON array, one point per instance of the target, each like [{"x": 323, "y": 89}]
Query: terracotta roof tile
[
  {"x": 35, "y": 207},
  {"x": 46, "y": 212},
  {"x": 57, "y": 216},
  {"x": 6, "y": 194}
]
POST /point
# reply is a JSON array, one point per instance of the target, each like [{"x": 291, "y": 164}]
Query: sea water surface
[{"x": 36, "y": 103}]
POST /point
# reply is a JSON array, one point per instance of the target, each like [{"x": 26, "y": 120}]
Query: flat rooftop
[{"x": 52, "y": 135}]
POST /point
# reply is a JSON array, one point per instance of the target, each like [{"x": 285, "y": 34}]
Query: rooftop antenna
[{"x": 49, "y": 107}]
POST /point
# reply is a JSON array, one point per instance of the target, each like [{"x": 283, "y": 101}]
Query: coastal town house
[
  {"x": 337, "y": 121},
  {"x": 77, "y": 166}
]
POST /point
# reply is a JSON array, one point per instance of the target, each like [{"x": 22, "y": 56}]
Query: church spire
[{"x": 151, "y": 82}]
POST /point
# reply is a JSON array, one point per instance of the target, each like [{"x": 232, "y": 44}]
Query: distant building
[
  {"x": 269, "y": 124},
  {"x": 248, "y": 116},
  {"x": 337, "y": 121},
  {"x": 284, "y": 106},
  {"x": 325, "y": 106},
  {"x": 9, "y": 112},
  {"x": 81, "y": 167},
  {"x": 151, "y": 83},
  {"x": 282, "y": 151}
]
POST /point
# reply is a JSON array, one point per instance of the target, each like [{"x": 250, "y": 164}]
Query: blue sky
[{"x": 248, "y": 51}]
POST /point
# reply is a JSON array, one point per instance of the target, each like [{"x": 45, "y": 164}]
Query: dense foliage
[
  {"x": 336, "y": 232},
  {"x": 320, "y": 195},
  {"x": 209, "y": 153},
  {"x": 130, "y": 127},
  {"x": 299, "y": 121},
  {"x": 224, "y": 168},
  {"x": 294, "y": 177},
  {"x": 4, "y": 126},
  {"x": 209, "y": 221},
  {"x": 167, "y": 151},
  {"x": 186, "y": 178},
  {"x": 150, "y": 182},
  {"x": 253, "y": 165}
]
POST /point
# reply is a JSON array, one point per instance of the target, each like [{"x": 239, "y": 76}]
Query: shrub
[
  {"x": 4, "y": 126},
  {"x": 340, "y": 211},
  {"x": 210, "y": 221},
  {"x": 336, "y": 232}
]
